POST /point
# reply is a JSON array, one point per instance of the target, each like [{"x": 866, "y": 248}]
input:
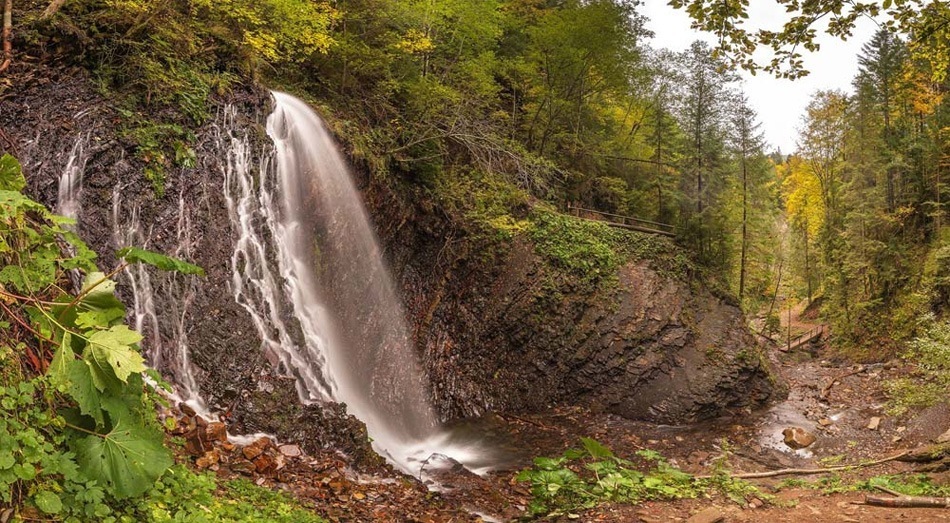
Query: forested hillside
[{"x": 589, "y": 237}]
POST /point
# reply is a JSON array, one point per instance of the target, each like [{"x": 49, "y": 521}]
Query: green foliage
[
  {"x": 909, "y": 484},
  {"x": 583, "y": 248},
  {"x": 739, "y": 42},
  {"x": 930, "y": 353},
  {"x": 160, "y": 261},
  {"x": 580, "y": 479},
  {"x": 10, "y": 177},
  {"x": 79, "y": 433},
  {"x": 592, "y": 251},
  {"x": 183, "y": 496},
  {"x": 160, "y": 146}
]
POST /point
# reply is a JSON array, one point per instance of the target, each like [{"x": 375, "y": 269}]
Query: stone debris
[
  {"x": 944, "y": 438},
  {"x": 708, "y": 515},
  {"x": 798, "y": 438},
  {"x": 874, "y": 423},
  {"x": 290, "y": 451}
]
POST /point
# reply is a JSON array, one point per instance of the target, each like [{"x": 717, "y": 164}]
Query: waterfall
[
  {"x": 68, "y": 199},
  {"x": 306, "y": 258},
  {"x": 70, "y": 180},
  {"x": 165, "y": 343}
]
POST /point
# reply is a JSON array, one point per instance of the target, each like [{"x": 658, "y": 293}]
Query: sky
[{"x": 779, "y": 103}]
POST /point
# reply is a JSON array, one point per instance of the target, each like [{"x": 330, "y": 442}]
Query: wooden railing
[
  {"x": 803, "y": 338},
  {"x": 625, "y": 222}
]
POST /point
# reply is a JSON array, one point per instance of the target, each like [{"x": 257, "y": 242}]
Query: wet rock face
[
  {"x": 495, "y": 329},
  {"x": 47, "y": 114},
  {"x": 500, "y": 332}
]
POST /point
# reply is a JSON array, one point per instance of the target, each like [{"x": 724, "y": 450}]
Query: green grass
[{"x": 909, "y": 484}]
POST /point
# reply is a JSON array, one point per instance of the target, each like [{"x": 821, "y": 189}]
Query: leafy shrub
[
  {"x": 188, "y": 497},
  {"x": 78, "y": 432},
  {"x": 580, "y": 479},
  {"x": 594, "y": 250},
  {"x": 930, "y": 352}
]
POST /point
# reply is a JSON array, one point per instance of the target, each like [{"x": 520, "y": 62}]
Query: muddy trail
[{"x": 841, "y": 405}]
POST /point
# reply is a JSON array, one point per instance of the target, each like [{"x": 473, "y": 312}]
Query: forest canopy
[{"x": 567, "y": 103}]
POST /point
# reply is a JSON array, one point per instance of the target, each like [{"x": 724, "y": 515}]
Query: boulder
[{"x": 798, "y": 438}]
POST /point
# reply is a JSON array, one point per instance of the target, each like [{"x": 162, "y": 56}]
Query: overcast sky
[{"x": 780, "y": 103}]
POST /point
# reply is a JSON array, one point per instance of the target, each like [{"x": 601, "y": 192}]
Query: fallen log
[
  {"x": 928, "y": 453},
  {"x": 898, "y": 500},
  {"x": 809, "y": 472}
]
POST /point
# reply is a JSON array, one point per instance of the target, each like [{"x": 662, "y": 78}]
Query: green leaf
[
  {"x": 96, "y": 283},
  {"x": 596, "y": 449},
  {"x": 11, "y": 177},
  {"x": 126, "y": 461},
  {"x": 48, "y": 502},
  {"x": 58, "y": 368},
  {"x": 98, "y": 318},
  {"x": 82, "y": 388},
  {"x": 165, "y": 263},
  {"x": 548, "y": 463},
  {"x": 113, "y": 348},
  {"x": 25, "y": 471}
]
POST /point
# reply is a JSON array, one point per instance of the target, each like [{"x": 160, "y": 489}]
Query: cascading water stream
[
  {"x": 70, "y": 181},
  {"x": 306, "y": 251},
  {"x": 165, "y": 345},
  {"x": 68, "y": 200}
]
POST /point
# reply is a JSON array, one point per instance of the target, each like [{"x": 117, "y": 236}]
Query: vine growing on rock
[{"x": 78, "y": 430}]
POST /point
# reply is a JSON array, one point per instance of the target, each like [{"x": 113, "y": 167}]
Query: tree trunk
[
  {"x": 52, "y": 8},
  {"x": 807, "y": 264},
  {"x": 7, "y": 35},
  {"x": 745, "y": 227}
]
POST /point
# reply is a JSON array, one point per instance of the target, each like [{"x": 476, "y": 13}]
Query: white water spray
[{"x": 308, "y": 268}]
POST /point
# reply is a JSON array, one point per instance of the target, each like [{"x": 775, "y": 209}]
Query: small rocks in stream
[
  {"x": 217, "y": 431},
  {"x": 257, "y": 448},
  {"x": 798, "y": 438},
  {"x": 709, "y": 515},
  {"x": 290, "y": 451}
]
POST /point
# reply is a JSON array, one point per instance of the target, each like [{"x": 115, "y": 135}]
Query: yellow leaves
[
  {"x": 264, "y": 44},
  {"x": 415, "y": 42},
  {"x": 803, "y": 200},
  {"x": 924, "y": 94},
  {"x": 279, "y": 30}
]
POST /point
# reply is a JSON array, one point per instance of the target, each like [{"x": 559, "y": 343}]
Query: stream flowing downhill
[
  {"x": 165, "y": 343},
  {"x": 308, "y": 269}
]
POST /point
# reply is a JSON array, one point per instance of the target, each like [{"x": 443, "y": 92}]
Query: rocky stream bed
[{"x": 841, "y": 405}]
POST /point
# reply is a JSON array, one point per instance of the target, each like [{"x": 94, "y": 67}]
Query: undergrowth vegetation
[
  {"x": 908, "y": 484},
  {"x": 79, "y": 439},
  {"x": 930, "y": 354},
  {"x": 583, "y": 478}
]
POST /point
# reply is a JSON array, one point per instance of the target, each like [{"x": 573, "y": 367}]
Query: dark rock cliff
[
  {"x": 497, "y": 331},
  {"x": 502, "y": 331}
]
